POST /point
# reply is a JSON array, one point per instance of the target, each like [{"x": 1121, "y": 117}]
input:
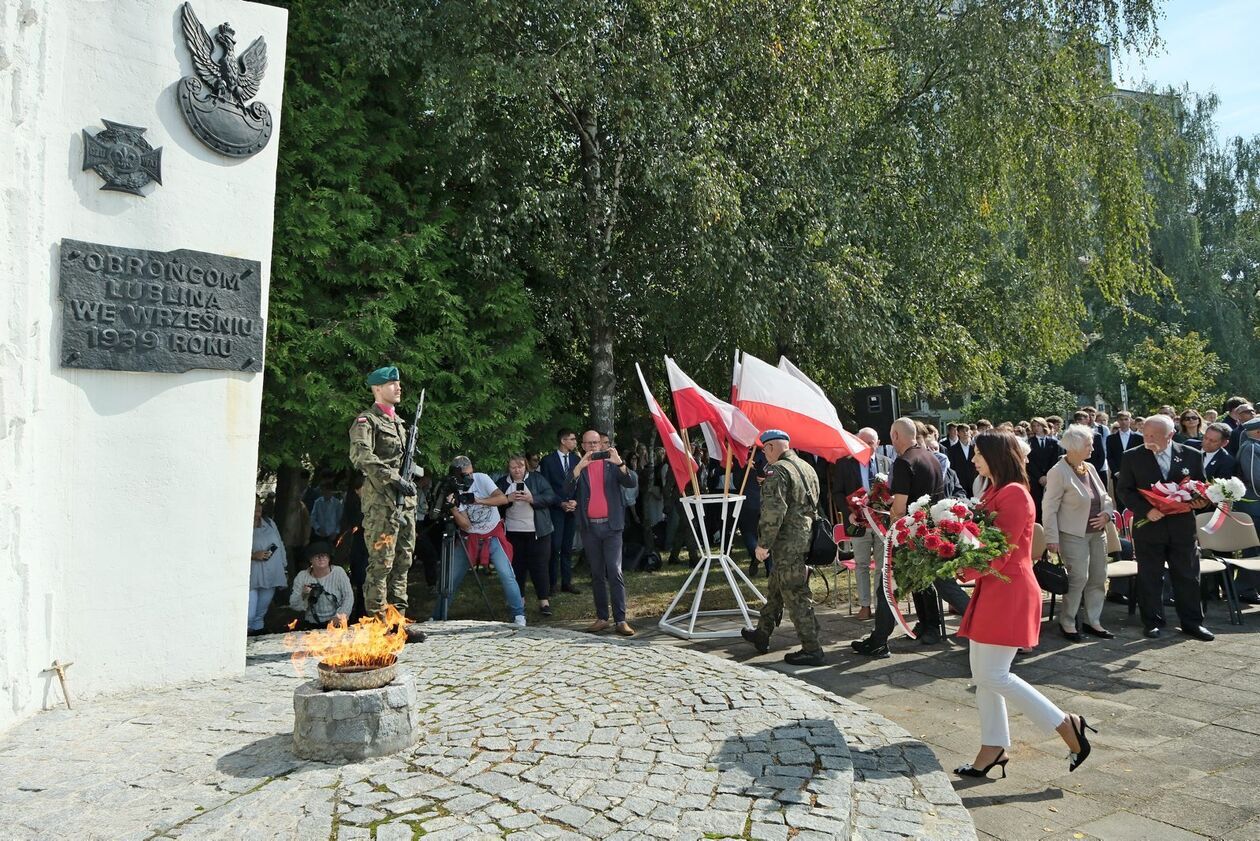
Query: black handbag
[{"x": 1051, "y": 577}]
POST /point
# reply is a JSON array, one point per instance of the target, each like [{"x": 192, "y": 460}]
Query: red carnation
[
  {"x": 947, "y": 550},
  {"x": 920, "y": 515},
  {"x": 959, "y": 510},
  {"x": 971, "y": 528}
]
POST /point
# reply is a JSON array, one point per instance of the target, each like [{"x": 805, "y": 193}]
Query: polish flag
[
  {"x": 723, "y": 424},
  {"x": 735, "y": 379},
  {"x": 784, "y": 398},
  {"x": 677, "y": 454}
]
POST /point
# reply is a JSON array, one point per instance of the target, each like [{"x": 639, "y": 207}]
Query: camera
[
  {"x": 453, "y": 490},
  {"x": 599, "y": 455},
  {"x": 316, "y": 592}
]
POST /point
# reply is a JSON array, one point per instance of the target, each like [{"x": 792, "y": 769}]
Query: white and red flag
[
  {"x": 784, "y": 398},
  {"x": 681, "y": 464},
  {"x": 724, "y": 425}
]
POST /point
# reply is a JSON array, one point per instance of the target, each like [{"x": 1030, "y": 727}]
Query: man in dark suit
[
  {"x": 959, "y": 454},
  {"x": 1124, "y": 438},
  {"x": 1165, "y": 539},
  {"x": 1043, "y": 454},
  {"x": 1217, "y": 462},
  {"x": 1241, "y": 414},
  {"x": 555, "y": 468}
]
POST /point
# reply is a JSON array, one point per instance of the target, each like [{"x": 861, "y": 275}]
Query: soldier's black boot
[
  {"x": 805, "y": 658},
  {"x": 760, "y": 640}
]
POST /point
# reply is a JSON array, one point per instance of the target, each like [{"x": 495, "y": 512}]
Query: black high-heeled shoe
[
  {"x": 1077, "y": 759},
  {"x": 970, "y": 770}
]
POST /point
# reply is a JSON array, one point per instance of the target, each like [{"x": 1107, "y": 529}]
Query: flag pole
[
  {"x": 747, "y": 469},
  {"x": 691, "y": 467},
  {"x": 726, "y": 482}
]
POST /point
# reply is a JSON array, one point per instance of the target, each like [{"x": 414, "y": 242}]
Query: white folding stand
[{"x": 684, "y": 625}]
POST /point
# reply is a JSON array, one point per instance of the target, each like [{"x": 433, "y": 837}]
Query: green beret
[{"x": 381, "y": 376}]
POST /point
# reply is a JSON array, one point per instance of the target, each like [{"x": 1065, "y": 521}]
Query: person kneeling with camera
[
  {"x": 321, "y": 591},
  {"x": 474, "y": 506}
]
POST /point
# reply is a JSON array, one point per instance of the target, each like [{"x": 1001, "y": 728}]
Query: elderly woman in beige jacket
[{"x": 1074, "y": 512}]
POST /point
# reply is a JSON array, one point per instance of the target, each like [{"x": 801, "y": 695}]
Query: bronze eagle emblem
[{"x": 216, "y": 101}]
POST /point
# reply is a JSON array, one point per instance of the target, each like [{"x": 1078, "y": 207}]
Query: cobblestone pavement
[
  {"x": 526, "y": 733},
  {"x": 1178, "y": 758}
]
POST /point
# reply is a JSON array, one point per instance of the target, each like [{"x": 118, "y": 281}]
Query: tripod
[{"x": 446, "y": 567}]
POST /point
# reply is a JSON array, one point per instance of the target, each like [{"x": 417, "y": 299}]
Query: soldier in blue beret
[{"x": 378, "y": 440}]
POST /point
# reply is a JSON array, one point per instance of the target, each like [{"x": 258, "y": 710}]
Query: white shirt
[
  {"x": 1164, "y": 459},
  {"x": 481, "y": 518},
  {"x": 1124, "y": 438},
  {"x": 565, "y": 464}
]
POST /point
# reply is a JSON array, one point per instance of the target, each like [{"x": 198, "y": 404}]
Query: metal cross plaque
[
  {"x": 214, "y": 99},
  {"x": 122, "y": 157},
  {"x": 126, "y": 309}
]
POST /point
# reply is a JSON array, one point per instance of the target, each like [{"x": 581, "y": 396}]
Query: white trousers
[{"x": 995, "y": 685}]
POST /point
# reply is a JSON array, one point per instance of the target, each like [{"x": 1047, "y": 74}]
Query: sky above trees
[{"x": 1209, "y": 45}]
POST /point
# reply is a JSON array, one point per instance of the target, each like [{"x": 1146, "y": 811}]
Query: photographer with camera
[
  {"x": 472, "y": 500},
  {"x": 596, "y": 482},
  {"x": 321, "y": 591},
  {"x": 529, "y": 527},
  {"x": 267, "y": 565}
]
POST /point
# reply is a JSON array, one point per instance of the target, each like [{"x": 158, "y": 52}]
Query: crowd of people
[{"x": 531, "y": 518}]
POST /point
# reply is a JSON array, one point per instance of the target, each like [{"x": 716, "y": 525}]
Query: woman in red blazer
[{"x": 1005, "y": 615}]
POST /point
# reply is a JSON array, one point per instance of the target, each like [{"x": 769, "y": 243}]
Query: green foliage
[
  {"x": 902, "y": 186},
  {"x": 364, "y": 273},
  {"x": 1175, "y": 369},
  {"x": 1206, "y": 240},
  {"x": 1025, "y": 393}
]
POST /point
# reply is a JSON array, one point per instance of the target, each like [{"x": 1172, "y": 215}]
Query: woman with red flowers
[{"x": 1005, "y": 615}]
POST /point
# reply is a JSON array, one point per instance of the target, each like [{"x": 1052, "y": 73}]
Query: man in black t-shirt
[{"x": 916, "y": 473}]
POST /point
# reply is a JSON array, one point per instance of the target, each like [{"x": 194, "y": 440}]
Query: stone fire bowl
[
  {"x": 330, "y": 678},
  {"x": 350, "y": 725}
]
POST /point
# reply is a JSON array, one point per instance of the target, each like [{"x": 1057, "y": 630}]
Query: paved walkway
[
  {"x": 1179, "y": 752},
  {"x": 527, "y": 733}
]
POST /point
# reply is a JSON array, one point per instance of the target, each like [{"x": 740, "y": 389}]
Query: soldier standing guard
[
  {"x": 378, "y": 440},
  {"x": 789, "y": 503}
]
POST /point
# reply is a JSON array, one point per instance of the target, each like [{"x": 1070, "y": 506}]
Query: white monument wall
[{"x": 126, "y": 499}]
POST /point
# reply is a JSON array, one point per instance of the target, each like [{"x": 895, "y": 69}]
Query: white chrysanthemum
[
  {"x": 941, "y": 512},
  {"x": 1226, "y": 490},
  {"x": 919, "y": 504},
  {"x": 882, "y": 478}
]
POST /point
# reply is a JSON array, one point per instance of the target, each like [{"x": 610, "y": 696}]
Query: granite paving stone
[{"x": 523, "y": 733}]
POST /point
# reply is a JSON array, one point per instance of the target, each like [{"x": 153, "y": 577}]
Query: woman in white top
[
  {"x": 527, "y": 521},
  {"x": 1075, "y": 511},
  {"x": 321, "y": 591},
  {"x": 267, "y": 568}
]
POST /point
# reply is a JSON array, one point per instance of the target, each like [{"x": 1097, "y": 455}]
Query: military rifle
[{"x": 409, "y": 456}]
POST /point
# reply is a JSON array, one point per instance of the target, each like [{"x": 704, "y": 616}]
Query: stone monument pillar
[{"x": 138, "y": 148}]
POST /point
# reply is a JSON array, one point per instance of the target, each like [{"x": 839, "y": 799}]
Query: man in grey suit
[{"x": 847, "y": 475}]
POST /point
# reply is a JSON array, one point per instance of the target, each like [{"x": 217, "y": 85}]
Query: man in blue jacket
[{"x": 555, "y": 468}]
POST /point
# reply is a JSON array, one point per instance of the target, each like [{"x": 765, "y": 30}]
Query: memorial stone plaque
[{"x": 126, "y": 309}]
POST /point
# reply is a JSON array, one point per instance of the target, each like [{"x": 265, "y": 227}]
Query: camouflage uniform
[
  {"x": 788, "y": 501},
  {"x": 377, "y": 444}
]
